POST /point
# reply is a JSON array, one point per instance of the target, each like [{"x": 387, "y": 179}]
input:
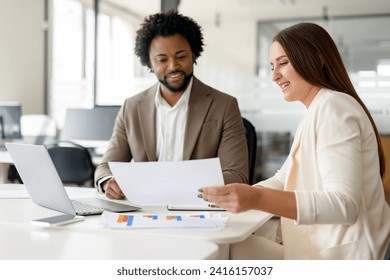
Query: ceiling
[
  {"x": 366, "y": 43},
  {"x": 261, "y": 9}
]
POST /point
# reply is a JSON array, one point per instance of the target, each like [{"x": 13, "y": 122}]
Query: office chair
[
  {"x": 73, "y": 162},
  {"x": 251, "y": 141},
  {"x": 13, "y": 175},
  {"x": 387, "y": 254}
]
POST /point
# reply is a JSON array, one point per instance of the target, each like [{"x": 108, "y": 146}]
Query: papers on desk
[
  {"x": 142, "y": 220},
  {"x": 167, "y": 183}
]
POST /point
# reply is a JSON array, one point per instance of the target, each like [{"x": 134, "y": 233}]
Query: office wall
[
  {"x": 229, "y": 53},
  {"x": 22, "y": 53},
  {"x": 230, "y": 48}
]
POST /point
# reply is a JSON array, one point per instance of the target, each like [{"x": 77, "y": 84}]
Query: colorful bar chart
[
  {"x": 126, "y": 219},
  {"x": 153, "y": 217},
  {"x": 116, "y": 220},
  {"x": 198, "y": 216},
  {"x": 174, "y": 217}
]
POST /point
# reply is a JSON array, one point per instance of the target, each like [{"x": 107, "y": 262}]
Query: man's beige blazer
[{"x": 214, "y": 129}]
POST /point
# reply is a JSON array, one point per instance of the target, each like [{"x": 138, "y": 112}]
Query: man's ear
[
  {"x": 151, "y": 70},
  {"x": 194, "y": 58}
]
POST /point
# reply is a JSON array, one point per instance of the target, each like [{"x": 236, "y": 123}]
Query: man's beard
[{"x": 181, "y": 87}]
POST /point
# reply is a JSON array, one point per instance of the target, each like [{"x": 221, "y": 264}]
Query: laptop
[{"x": 45, "y": 187}]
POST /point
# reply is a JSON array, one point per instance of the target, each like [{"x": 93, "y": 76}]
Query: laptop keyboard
[{"x": 85, "y": 207}]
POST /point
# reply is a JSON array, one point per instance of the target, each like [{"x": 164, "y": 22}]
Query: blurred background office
[{"x": 56, "y": 55}]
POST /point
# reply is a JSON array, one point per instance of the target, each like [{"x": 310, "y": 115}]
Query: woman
[{"x": 329, "y": 191}]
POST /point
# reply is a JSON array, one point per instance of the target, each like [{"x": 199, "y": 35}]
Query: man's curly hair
[{"x": 167, "y": 24}]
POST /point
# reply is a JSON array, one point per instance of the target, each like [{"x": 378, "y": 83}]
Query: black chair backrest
[
  {"x": 251, "y": 140},
  {"x": 72, "y": 161},
  {"x": 387, "y": 255}
]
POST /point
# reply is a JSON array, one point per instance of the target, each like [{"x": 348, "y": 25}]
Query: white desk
[
  {"x": 22, "y": 241},
  {"x": 239, "y": 226}
]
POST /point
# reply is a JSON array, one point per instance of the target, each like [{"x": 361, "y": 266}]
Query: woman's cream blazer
[{"x": 333, "y": 168}]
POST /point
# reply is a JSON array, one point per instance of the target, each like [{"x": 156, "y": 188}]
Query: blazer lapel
[
  {"x": 147, "y": 118},
  {"x": 198, "y": 106}
]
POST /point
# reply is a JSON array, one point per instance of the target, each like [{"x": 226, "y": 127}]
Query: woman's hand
[{"x": 232, "y": 197}]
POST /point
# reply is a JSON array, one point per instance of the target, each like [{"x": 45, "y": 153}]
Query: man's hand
[{"x": 112, "y": 189}]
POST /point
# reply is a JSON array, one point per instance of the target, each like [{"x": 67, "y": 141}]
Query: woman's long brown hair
[{"x": 315, "y": 56}]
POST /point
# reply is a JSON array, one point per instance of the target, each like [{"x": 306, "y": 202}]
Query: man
[{"x": 179, "y": 118}]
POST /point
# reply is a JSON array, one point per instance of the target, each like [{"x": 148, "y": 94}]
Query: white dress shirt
[
  {"x": 170, "y": 126},
  {"x": 170, "y": 129}
]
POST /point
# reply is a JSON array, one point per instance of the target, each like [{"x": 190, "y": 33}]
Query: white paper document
[
  {"x": 167, "y": 183},
  {"x": 145, "y": 220}
]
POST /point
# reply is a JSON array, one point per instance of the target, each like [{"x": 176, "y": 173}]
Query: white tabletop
[
  {"x": 20, "y": 242},
  {"x": 239, "y": 226},
  {"x": 17, "y": 210}
]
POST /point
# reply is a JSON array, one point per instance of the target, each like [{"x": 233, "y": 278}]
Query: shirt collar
[{"x": 184, "y": 99}]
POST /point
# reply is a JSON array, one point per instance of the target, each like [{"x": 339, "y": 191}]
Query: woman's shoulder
[
  {"x": 340, "y": 101},
  {"x": 335, "y": 96},
  {"x": 336, "y": 108}
]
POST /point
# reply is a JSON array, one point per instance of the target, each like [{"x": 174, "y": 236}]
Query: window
[
  {"x": 119, "y": 73},
  {"x": 71, "y": 82},
  {"x": 115, "y": 60}
]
